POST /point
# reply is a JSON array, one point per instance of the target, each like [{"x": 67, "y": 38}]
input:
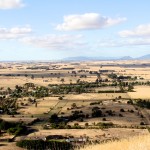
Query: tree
[
  {"x": 9, "y": 90},
  {"x": 53, "y": 118},
  {"x": 130, "y": 87},
  {"x": 62, "y": 80},
  {"x": 142, "y": 123},
  {"x": 86, "y": 124},
  {"x": 60, "y": 98},
  {"x": 96, "y": 113},
  {"x": 26, "y": 75},
  {"x": 122, "y": 110},
  {"x": 78, "y": 81},
  {"x": 74, "y": 105},
  {"x": 104, "y": 119},
  {"x": 36, "y": 104},
  {"x": 32, "y": 76},
  {"x": 70, "y": 81},
  {"x": 112, "y": 76}
]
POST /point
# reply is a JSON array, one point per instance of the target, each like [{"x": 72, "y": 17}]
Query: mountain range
[{"x": 83, "y": 58}]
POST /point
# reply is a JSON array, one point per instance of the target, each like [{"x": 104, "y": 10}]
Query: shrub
[
  {"x": 122, "y": 110},
  {"x": 86, "y": 124},
  {"x": 131, "y": 111},
  {"x": 60, "y": 98},
  {"x": 120, "y": 115},
  {"x": 43, "y": 145},
  {"x": 104, "y": 119},
  {"x": 142, "y": 123},
  {"x": 96, "y": 113},
  {"x": 105, "y": 125}
]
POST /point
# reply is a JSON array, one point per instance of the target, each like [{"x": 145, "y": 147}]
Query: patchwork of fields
[{"x": 97, "y": 100}]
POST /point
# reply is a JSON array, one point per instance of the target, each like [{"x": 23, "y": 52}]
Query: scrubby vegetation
[
  {"x": 12, "y": 127},
  {"x": 138, "y": 143},
  {"x": 44, "y": 145},
  {"x": 143, "y": 103}
]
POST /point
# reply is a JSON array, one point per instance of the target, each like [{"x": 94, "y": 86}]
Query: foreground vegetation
[
  {"x": 44, "y": 145},
  {"x": 134, "y": 143},
  {"x": 13, "y": 128}
]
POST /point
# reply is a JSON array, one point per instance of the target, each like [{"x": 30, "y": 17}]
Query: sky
[{"x": 57, "y": 29}]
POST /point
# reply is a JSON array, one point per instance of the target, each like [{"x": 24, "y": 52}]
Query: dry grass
[
  {"x": 9, "y": 146},
  {"x": 140, "y": 92},
  {"x": 43, "y": 106},
  {"x": 95, "y": 96},
  {"x": 93, "y": 134},
  {"x": 134, "y": 143}
]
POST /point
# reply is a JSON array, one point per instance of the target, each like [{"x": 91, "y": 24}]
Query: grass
[
  {"x": 134, "y": 143},
  {"x": 140, "y": 92}
]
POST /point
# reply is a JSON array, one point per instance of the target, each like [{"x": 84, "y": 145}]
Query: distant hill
[
  {"x": 78, "y": 58},
  {"x": 84, "y": 58},
  {"x": 145, "y": 57},
  {"x": 126, "y": 58}
]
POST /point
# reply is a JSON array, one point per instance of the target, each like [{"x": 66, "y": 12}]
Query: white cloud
[
  {"x": 139, "y": 36},
  {"x": 138, "y": 42},
  {"x": 10, "y": 4},
  {"x": 51, "y": 42},
  {"x": 14, "y": 33},
  {"x": 139, "y": 31},
  {"x": 125, "y": 42},
  {"x": 55, "y": 42},
  {"x": 87, "y": 21}
]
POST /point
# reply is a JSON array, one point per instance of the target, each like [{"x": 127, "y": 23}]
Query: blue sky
[{"x": 56, "y": 29}]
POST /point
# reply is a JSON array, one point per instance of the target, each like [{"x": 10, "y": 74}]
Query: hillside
[
  {"x": 134, "y": 143},
  {"x": 145, "y": 57}
]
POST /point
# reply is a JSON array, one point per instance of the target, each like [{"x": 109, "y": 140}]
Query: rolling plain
[{"x": 77, "y": 102}]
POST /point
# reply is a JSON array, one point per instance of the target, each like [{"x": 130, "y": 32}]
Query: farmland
[{"x": 98, "y": 100}]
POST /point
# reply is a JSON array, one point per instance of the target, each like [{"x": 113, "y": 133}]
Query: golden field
[{"x": 133, "y": 143}]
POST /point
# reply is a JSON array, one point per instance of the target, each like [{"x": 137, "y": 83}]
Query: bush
[
  {"x": 60, "y": 98},
  {"x": 104, "y": 119},
  {"x": 120, "y": 115},
  {"x": 86, "y": 124},
  {"x": 143, "y": 103},
  {"x": 43, "y": 145},
  {"x": 130, "y": 102},
  {"x": 12, "y": 128},
  {"x": 142, "y": 123},
  {"x": 122, "y": 110},
  {"x": 53, "y": 118},
  {"x": 105, "y": 125},
  {"x": 131, "y": 111},
  {"x": 96, "y": 113}
]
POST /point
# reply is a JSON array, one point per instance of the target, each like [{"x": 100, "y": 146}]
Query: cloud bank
[
  {"x": 55, "y": 42},
  {"x": 11, "y": 4},
  {"x": 139, "y": 31},
  {"x": 87, "y": 21},
  {"x": 123, "y": 42},
  {"x": 139, "y": 36},
  {"x": 14, "y": 33}
]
